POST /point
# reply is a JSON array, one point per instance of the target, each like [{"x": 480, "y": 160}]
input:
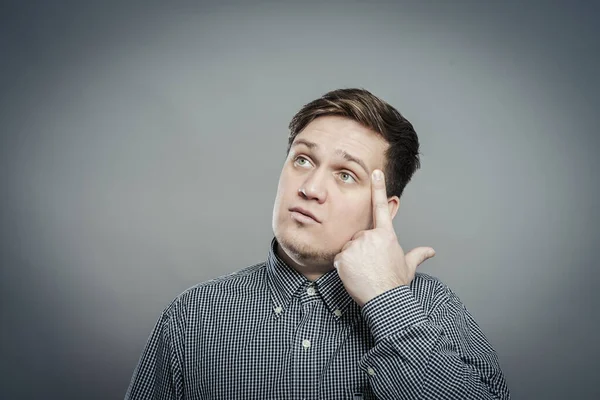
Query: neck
[{"x": 310, "y": 272}]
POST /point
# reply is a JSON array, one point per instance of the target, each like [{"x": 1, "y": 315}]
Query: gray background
[{"x": 141, "y": 146}]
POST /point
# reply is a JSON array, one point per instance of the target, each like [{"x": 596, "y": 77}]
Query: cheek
[
  {"x": 285, "y": 192},
  {"x": 286, "y": 179},
  {"x": 353, "y": 215}
]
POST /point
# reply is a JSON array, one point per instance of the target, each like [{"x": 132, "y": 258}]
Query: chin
[{"x": 305, "y": 248}]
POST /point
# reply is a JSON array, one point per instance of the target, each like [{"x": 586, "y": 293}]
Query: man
[{"x": 337, "y": 311}]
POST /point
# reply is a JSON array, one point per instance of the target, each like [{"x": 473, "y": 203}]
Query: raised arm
[{"x": 442, "y": 355}]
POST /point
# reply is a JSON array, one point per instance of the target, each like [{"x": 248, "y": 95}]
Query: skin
[{"x": 353, "y": 231}]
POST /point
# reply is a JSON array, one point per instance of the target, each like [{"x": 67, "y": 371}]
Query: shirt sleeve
[
  {"x": 439, "y": 355},
  {"x": 158, "y": 374}
]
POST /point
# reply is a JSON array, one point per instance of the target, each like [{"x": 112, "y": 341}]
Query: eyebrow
[{"x": 347, "y": 156}]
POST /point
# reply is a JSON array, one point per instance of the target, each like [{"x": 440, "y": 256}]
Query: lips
[{"x": 305, "y": 212}]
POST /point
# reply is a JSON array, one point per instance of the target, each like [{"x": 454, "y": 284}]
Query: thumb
[{"x": 418, "y": 255}]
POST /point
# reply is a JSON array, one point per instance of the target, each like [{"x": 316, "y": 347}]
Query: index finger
[{"x": 381, "y": 213}]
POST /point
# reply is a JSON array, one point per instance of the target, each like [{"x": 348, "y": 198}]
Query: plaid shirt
[{"x": 266, "y": 332}]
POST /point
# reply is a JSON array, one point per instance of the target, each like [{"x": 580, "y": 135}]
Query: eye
[
  {"x": 346, "y": 177},
  {"x": 301, "y": 161}
]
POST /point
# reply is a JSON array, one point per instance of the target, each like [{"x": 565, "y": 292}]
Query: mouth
[{"x": 301, "y": 212}]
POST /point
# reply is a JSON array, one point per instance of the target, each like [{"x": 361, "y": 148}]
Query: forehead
[{"x": 332, "y": 133}]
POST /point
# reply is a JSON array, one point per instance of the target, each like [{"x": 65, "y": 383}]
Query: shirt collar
[{"x": 284, "y": 281}]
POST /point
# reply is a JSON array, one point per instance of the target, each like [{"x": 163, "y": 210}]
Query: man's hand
[{"x": 373, "y": 262}]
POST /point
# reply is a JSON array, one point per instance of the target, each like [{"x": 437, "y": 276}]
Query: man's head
[{"x": 335, "y": 143}]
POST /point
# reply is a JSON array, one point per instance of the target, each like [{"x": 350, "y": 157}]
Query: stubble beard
[{"x": 304, "y": 254}]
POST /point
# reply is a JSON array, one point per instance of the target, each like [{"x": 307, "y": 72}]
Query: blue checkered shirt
[{"x": 266, "y": 332}]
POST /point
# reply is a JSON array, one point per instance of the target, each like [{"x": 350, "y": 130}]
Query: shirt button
[
  {"x": 371, "y": 371},
  {"x": 278, "y": 310},
  {"x": 306, "y": 343},
  {"x": 338, "y": 313},
  {"x": 311, "y": 291}
]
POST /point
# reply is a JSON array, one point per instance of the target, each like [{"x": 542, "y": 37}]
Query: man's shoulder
[
  {"x": 246, "y": 277},
  {"x": 245, "y": 280}
]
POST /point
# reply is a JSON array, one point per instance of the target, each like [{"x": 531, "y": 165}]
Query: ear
[{"x": 393, "y": 205}]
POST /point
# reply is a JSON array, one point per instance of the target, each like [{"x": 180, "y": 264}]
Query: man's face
[{"x": 327, "y": 173}]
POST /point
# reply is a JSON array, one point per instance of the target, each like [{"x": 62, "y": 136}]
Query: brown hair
[{"x": 402, "y": 155}]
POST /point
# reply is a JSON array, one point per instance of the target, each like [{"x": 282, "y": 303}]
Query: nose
[{"x": 314, "y": 187}]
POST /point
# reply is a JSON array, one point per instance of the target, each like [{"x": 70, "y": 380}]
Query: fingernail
[
  {"x": 335, "y": 264},
  {"x": 377, "y": 175}
]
